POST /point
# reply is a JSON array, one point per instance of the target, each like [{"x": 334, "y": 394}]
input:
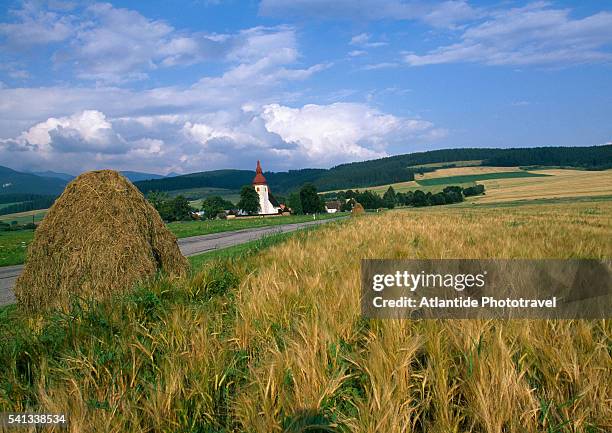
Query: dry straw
[
  {"x": 358, "y": 209},
  {"x": 100, "y": 237}
]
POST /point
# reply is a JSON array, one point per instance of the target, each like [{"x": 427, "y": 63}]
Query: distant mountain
[
  {"x": 49, "y": 173},
  {"x": 399, "y": 168},
  {"x": 135, "y": 176},
  {"x": 15, "y": 182}
]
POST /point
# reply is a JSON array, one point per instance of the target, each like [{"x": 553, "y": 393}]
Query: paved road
[{"x": 188, "y": 246}]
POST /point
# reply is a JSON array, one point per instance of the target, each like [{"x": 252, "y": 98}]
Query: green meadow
[{"x": 468, "y": 178}]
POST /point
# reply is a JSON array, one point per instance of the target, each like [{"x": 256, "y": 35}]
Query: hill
[
  {"x": 15, "y": 182},
  {"x": 389, "y": 170},
  {"x": 135, "y": 176},
  {"x": 64, "y": 176}
]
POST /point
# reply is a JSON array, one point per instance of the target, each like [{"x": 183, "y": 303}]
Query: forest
[{"x": 399, "y": 168}]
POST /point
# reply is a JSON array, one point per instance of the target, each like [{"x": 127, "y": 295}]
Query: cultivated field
[
  {"x": 24, "y": 217},
  {"x": 559, "y": 183},
  {"x": 501, "y": 186},
  {"x": 274, "y": 342}
]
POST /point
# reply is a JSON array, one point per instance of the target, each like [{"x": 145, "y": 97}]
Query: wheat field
[
  {"x": 275, "y": 343},
  {"x": 558, "y": 184}
]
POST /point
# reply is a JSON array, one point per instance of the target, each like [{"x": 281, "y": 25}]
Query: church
[{"x": 267, "y": 203}]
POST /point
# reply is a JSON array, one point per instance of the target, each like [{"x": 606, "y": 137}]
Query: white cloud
[
  {"x": 34, "y": 26},
  {"x": 83, "y": 132},
  {"x": 115, "y": 45},
  {"x": 340, "y": 132},
  {"x": 450, "y": 13},
  {"x": 364, "y": 40},
  {"x": 356, "y": 53},
  {"x": 530, "y": 35},
  {"x": 311, "y": 135}
]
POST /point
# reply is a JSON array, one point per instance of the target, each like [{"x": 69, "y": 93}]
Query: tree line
[
  {"x": 390, "y": 199},
  {"x": 392, "y": 169},
  {"x": 25, "y": 202}
]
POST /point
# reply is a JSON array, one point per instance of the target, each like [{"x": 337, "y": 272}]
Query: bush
[{"x": 474, "y": 190}]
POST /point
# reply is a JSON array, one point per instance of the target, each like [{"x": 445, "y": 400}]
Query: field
[
  {"x": 506, "y": 184},
  {"x": 466, "y": 171},
  {"x": 558, "y": 183},
  {"x": 471, "y": 178},
  {"x": 24, "y": 217},
  {"x": 13, "y": 244},
  {"x": 274, "y": 341}
]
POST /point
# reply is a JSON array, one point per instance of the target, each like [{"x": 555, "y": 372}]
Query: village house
[{"x": 333, "y": 206}]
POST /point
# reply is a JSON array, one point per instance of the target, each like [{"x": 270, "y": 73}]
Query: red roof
[{"x": 259, "y": 178}]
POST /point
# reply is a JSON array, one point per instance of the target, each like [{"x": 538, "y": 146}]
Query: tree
[
  {"x": 295, "y": 203},
  {"x": 311, "y": 202},
  {"x": 249, "y": 200},
  {"x": 455, "y": 189},
  {"x": 213, "y": 205},
  {"x": 179, "y": 209},
  {"x": 347, "y": 206},
  {"x": 157, "y": 198},
  {"x": 390, "y": 198},
  {"x": 474, "y": 190},
  {"x": 419, "y": 198},
  {"x": 438, "y": 199},
  {"x": 170, "y": 209}
]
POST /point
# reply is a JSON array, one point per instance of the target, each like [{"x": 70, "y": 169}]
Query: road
[{"x": 188, "y": 246}]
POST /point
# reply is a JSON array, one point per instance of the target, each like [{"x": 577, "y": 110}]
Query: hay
[
  {"x": 357, "y": 209},
  {"x": 99, "y": 238}
]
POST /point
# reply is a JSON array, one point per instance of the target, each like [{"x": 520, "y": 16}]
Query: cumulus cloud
[
  {"x": 532, "y": 35},
  {"x": 82, "y": 132},
  {"x": 313, "y": 135},
  {"x": 337, "y": 132}
]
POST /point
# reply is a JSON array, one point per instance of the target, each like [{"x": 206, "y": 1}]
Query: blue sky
[{"x": 197, "y": 85}]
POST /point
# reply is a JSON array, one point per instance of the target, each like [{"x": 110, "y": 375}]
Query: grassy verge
[
  {"x": 13, "y": 245},
  {"x": 274, "y": 342},
  {"x": 183, "y": 229}
]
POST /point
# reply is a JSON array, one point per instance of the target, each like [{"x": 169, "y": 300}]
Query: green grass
[
  {"x": 453, "y": 180},
  {"x": 13, "y": 244},
  {"x": 183, "y": 229}
]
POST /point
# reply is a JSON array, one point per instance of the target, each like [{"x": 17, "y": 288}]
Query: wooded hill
[{"x": 399, "y": 168}]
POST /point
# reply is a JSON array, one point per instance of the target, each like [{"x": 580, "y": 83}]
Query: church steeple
[{"x": 259, "y": 177}]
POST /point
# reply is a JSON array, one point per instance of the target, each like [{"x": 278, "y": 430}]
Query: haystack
[
  {"x": 99, "y": 238},
  {"x": 357, "y": 209}
]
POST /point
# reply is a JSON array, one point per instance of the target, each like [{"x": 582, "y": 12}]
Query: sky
[{"x": 187, "y": 86}]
